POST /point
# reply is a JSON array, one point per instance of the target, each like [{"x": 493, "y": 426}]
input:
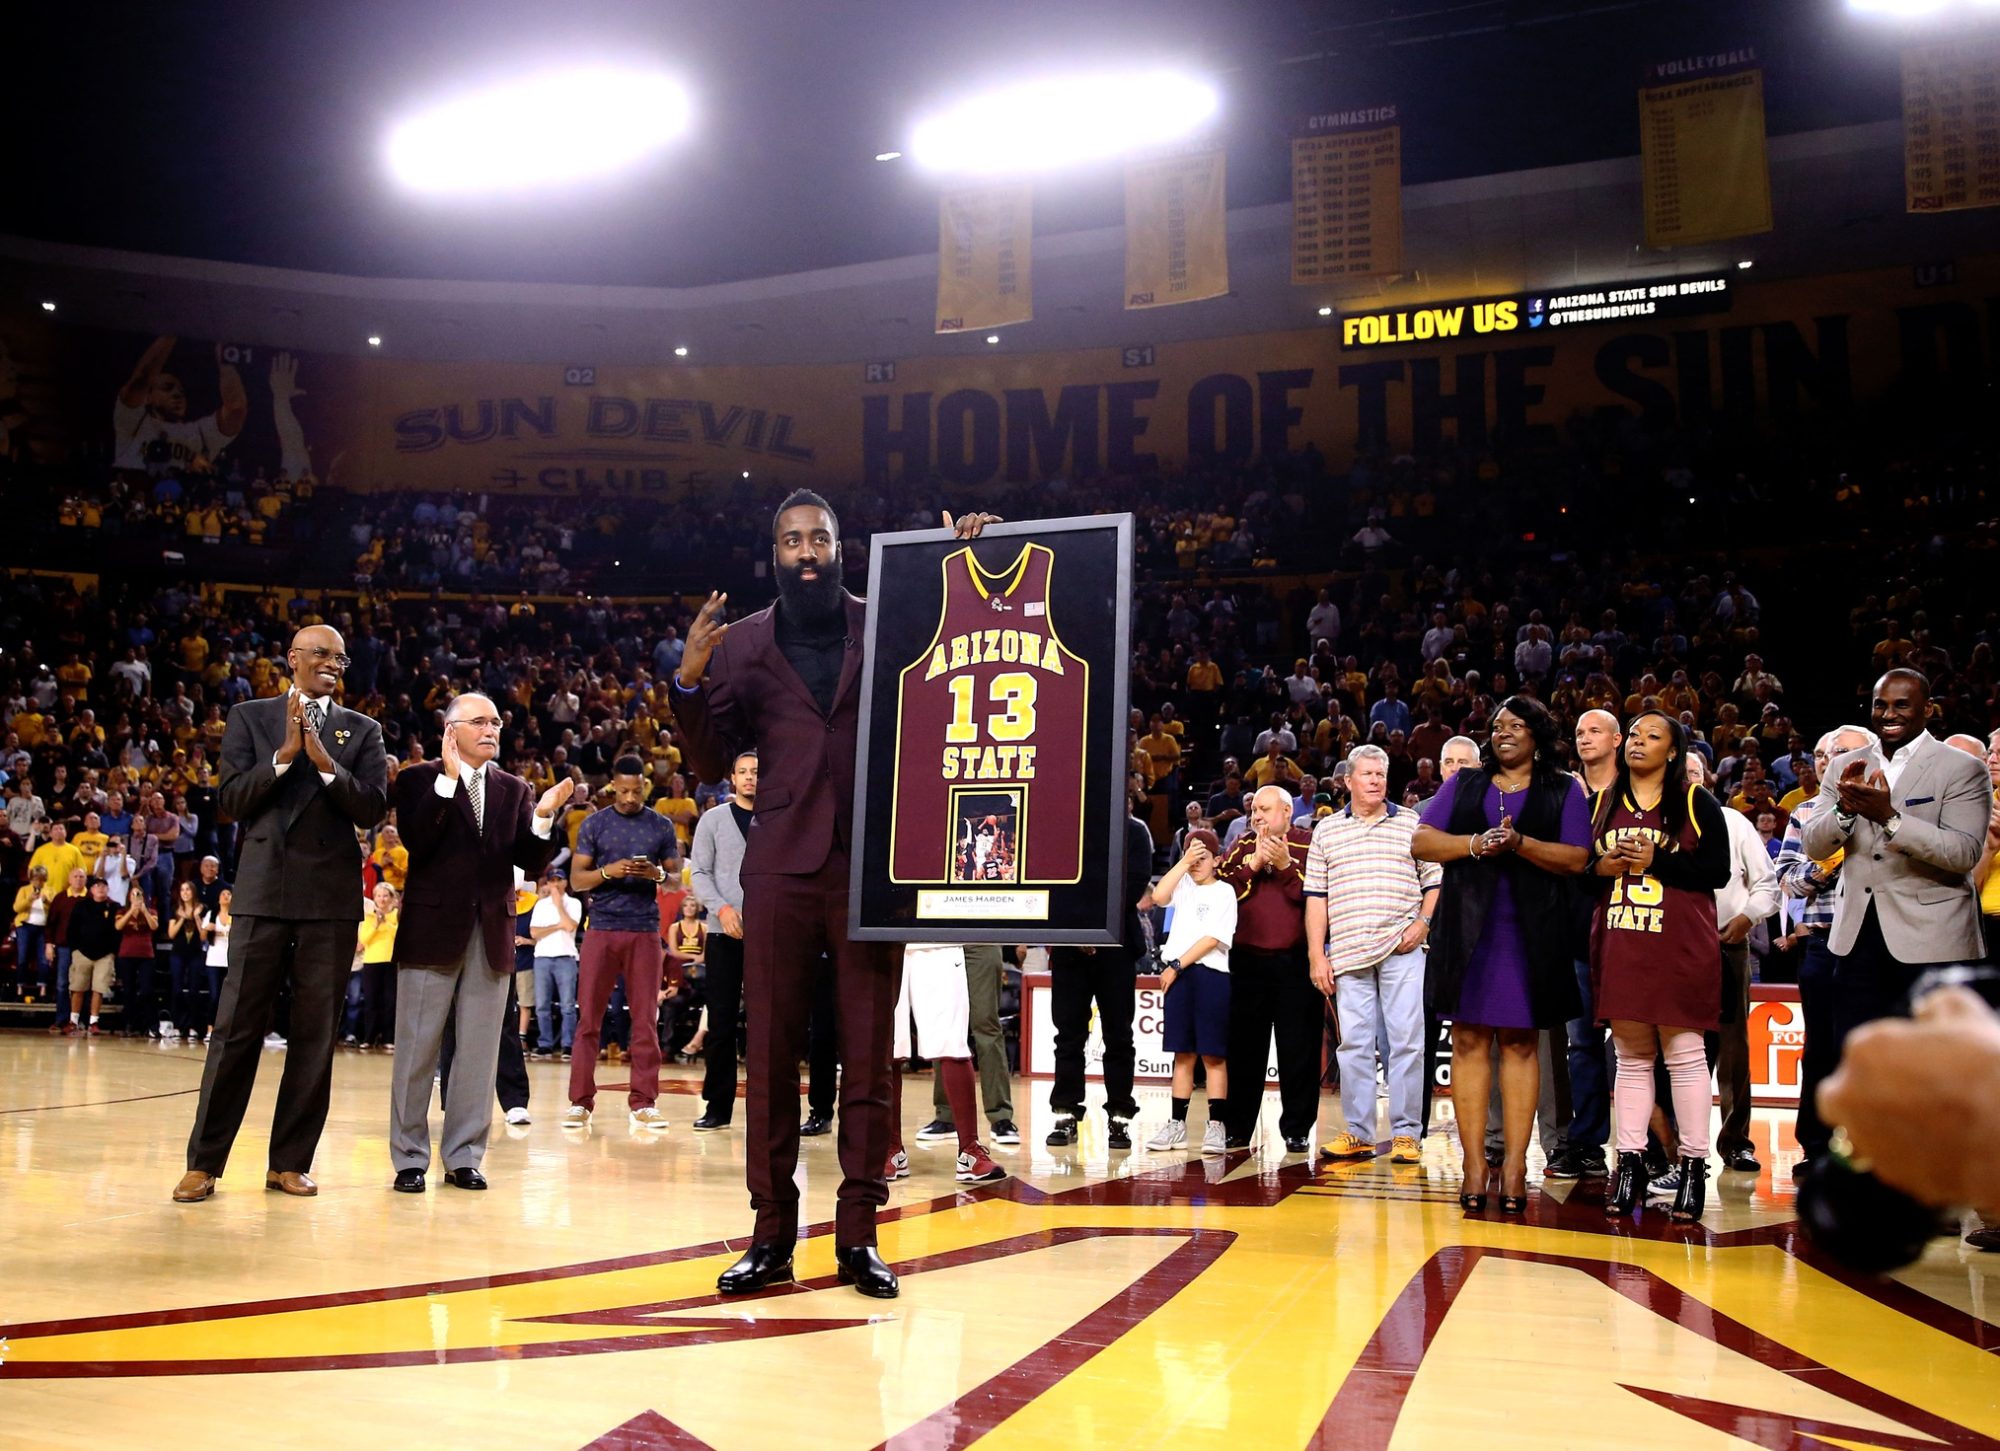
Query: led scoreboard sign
[{"x": 1524, "y": 312}]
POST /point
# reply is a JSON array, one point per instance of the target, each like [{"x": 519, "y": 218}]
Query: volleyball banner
[
  {"x": 985, "y": 236},
  {"x": 1176, "y": 230},
  {"x": 1347, "y": 195},
  {"x": 1951, "y": 125},
  {"x": 1706, "y": 176}
]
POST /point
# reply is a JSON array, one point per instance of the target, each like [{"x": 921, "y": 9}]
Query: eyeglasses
[
  {"x": 319, "y": 653},
  {"x": 480, "y": 720}
]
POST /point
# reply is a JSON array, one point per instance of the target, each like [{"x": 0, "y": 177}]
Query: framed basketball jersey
[{"x": 991, "y": 797}]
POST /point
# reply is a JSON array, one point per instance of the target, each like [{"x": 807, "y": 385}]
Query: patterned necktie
[
  {"x": 315, "y": 716},
  {"x": 479, "y": 801}
]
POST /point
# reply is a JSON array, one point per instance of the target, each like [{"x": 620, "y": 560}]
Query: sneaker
[
  {"x": 898, "y": 1166},
  {"x": 1214, "y": 1139},
  {"x": 975, "y": 1166},
  {"x": 1666, "y": 1186},
  {"x": 1172, "y": 1135},
  {"x": 96, "y": 1032},
  {"x": 648, "y": 1118},
  {"x": 1063, "y": 1132},
  {"x": 1006, "y": 1132},
  {"x": 1406, "y": 1150},
  {"x": 348, "y": 1041},
  {"x": 576, "y": 1116},
  {"x": 518, "y": 1116},
  {"x": 1120, "y": 1136},
  {"x": 936, "y": 1129},
  {"x": 207, "y": 1035},
  {"x": 167, "y": 1029},
  {"x": 1347, "y": 1146}
]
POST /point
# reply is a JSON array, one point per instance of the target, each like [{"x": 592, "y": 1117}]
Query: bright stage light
[
  {"x": 539, "y": 131},
  {"x": 1063, "y": 121},
  {"x": 1326, "y": 312},
  {"x": 374, "y": 342},
  {"x": 992, "y": 338},
  {"x": 888, "y": 155},
  {"x": 680, "y": 352},
  {"x": 1916, "y": 9},
  {"x": 48, "y": 307}
]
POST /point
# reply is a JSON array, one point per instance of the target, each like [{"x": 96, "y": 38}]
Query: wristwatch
[{"x": 1891, "y": 826}]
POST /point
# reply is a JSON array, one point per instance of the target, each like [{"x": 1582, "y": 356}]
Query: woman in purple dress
[{"x": 1502, "y": 966}]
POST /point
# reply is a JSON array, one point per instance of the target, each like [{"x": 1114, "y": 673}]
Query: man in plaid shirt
[
  {"x": 1368, "y": 914},
  {"x": 1809, "y": 887}
]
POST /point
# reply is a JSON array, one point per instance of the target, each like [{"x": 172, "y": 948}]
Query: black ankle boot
[
  {"x": 1689, "y": 1203},
  {"x": 1628, "y": 1186}
]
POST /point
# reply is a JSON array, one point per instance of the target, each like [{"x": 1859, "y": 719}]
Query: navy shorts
[{"x": 1197, "y": 1013}]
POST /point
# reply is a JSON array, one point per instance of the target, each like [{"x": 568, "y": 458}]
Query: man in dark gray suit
[
  {"x": 1911, "y": 831},
  {"x": 298, "y": 898}
]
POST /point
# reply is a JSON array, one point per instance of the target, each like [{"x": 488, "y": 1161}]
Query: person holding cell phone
[{"x": 622, "y": 855}]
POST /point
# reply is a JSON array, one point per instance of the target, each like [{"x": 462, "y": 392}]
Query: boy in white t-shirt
[{"x": 1194, "y": 972}]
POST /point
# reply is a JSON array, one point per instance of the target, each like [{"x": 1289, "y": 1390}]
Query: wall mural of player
[
  {"x": 150, "y": 430},
  {"x": 987, "y": 837}
]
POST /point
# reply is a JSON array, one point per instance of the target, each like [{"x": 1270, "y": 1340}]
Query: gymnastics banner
[
  {"x": 985, "y": 236},
  {"x": 1951, "y": 125},
  {"x": 1176, "y": 229},
  {"x": 1701, "y": 144},
  {"x": 1347, "y": 195}
]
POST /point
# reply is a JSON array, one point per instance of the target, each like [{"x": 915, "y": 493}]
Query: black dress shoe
[
  {"x": 708, "y": 1123},
  {"x": 761, "y": 1265},
  {"x": 1298, "y": 1143},
  {"x": 1235, "y": 1142},
  {"x": 1628, "y": 1185},
  {"x": 862, "y": 1268},
  {"x": 409, "y": 1181},
  {"x": 815, "y": 1125},
  {"x": 1741, "y": 1161},
  {"x": 465, "y": 1178}
]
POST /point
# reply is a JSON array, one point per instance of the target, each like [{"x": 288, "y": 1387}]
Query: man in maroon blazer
[
  {"x": 468, "y": 825},
  {"x": 786, "y": 680}
]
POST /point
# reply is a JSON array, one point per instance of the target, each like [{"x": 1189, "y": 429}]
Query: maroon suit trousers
[{"x": 788, "y": 922}]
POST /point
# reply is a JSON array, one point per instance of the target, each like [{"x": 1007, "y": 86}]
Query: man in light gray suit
[{"x": 1910, "y": 836}]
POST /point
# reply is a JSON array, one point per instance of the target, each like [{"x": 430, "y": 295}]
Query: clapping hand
[
  {"x": 295, "y": 733},
  {"x": 556, "y": 797},
  {"x": 1864, "y": 795},
  {"x": 1501, "y": 838}
]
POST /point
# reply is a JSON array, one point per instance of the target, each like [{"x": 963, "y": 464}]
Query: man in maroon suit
[
  {"x": 468, "y": 825},
  {"x": 786, "y": 680}
]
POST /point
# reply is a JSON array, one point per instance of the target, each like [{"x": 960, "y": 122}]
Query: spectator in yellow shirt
[
  {"x": 679, "y": 808},
  {"x": 1163, "y": 751},
  {"x": 1273, "y": 768},
  {"x": 391, "y": 858},
  {"x": 58, "y": 856},
  {"x": 90, "y": 842}
]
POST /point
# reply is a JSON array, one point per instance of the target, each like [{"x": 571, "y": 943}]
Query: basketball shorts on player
[
  {"x": 934, "y": 995},
  {"x": 1197, "y": 1013}
]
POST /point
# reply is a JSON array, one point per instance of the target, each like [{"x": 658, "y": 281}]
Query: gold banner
[
  {"x": 1951, "y": 125},
  {"x": 985, "y": 236},
  {"x": 1176, "y": 230},
  {"x": 1701, "y": 145},
  {"x": 1347, "y": 196}
]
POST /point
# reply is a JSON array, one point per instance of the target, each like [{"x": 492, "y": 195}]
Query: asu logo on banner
[
  {"x": 984, "y": 238},
  {"x": 1951, "y": 125},
  {"x": 1701, "y": 145},
  {"x": 1347, "y": 195},
  {"x": 1176, "y": 230}
]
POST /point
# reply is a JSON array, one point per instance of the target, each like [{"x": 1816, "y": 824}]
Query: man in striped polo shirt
[{"x": 1368, "y": 913}]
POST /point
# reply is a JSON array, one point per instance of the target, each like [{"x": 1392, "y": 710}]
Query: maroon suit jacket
[
  {"x": 461, "y": 877},
  {"x": 805, "y": 760}
]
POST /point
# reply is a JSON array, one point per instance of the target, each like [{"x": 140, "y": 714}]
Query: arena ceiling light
[
  {"x": 1059, "y": 121},
  {"x": 539, "y": 131},
  {"x": 1917, "y": 9}
]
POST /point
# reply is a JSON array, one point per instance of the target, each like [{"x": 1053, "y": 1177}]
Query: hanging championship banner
[
  {"x": 991, "y": 799},
  {"x": 984, "y": 237},
  {"x": 1176, "y": 230},
  {"x": 1951, "y": 125},
  {"x": 1347, "y": 195},
  {"x": 1701, "y": 144}
]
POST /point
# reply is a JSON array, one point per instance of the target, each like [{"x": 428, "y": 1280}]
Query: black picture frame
[{"x": 1090, "y": 601}]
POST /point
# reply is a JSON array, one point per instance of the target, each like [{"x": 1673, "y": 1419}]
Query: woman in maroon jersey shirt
[{"x": 1661, "y": 849}]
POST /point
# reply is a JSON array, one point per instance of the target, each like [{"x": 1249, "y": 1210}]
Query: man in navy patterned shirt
[{"x": 621, "y": 857}]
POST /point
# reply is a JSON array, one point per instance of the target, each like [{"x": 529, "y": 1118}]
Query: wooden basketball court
[{"x": 1126, "y": 1300}]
